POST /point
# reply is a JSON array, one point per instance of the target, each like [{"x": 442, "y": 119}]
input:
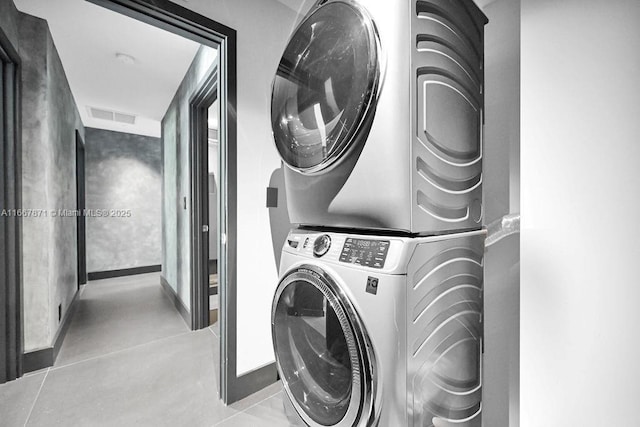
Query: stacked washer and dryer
[{"x": 377, "y": 115}]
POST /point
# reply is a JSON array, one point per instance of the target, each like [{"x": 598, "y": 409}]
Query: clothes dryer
[
  {"x": 377, "y": 111},
  {"x": 381, "y": 331}
]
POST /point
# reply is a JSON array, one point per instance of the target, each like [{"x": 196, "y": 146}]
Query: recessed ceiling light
[{"x": 125, "y": 59}]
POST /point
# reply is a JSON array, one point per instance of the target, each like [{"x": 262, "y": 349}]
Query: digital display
[{"x": 368, "y": 253}]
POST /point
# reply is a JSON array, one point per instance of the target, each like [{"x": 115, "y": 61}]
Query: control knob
[{"x": 321, "y": 245}]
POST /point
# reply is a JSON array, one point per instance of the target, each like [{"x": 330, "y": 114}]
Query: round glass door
[
  {"x": 325, "y": 85},
  {"x": 319, "y": 352}
]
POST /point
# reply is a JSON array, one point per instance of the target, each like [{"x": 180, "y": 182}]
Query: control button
[
  {"x": 372, "y": 285},
  {"x": 321, "y": 245},
  {"x": 293, "y": 243}
]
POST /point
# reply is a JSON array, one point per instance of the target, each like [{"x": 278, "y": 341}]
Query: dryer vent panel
[
  {"x": 447, "y": 65},
  {"x": 445, "y": 332}
]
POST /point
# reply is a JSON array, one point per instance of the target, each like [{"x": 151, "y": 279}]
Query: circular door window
[
  {"x": 324, "y": 87},
  {"x": 319, "y": 351}
]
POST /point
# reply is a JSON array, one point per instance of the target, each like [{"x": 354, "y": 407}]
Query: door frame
[
  {"x": 81, "y": 204},
  {"x": 184, "y": 22},
  {"x": 11, "y": 341}
]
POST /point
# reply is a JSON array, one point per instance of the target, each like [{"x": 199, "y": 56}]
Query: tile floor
[{"x": 129, "y": 359}]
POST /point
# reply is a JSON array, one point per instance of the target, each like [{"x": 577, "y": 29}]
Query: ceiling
[
  {"x": 296, "y": 5},
  {"x": 88, "y": 48}
]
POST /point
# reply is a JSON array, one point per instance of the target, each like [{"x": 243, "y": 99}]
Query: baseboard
[
  {"x": 177, "y": 302},
  {"x": 252, "y": 382},
  {"x": 37, "y": 359},
  {"x": 46, "y": 357},
  {"x": 98, "y": 275}
]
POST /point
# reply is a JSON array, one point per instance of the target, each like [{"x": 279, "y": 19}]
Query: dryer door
[
  {"x": 325, "y": 87},
  {"x": 322, "y": 351}
]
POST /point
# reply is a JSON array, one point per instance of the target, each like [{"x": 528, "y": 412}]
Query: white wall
[
  {"x": 214, "y": 179},
  {"x": 501, "y": 177},
  {"x": 501, "y": 172},
  {"x": 263, "y": 28},
  {"x": 580, "y": 292}
]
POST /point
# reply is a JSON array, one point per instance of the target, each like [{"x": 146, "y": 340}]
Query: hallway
[{"x": 129, "y": 359}]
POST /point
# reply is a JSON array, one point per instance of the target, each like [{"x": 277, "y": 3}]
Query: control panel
[{"x": 365, "y": 252}]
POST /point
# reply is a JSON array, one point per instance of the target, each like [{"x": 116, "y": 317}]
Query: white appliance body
[
  {"x": 381, "y": 331},
  {"x": 377, "y": 114}
]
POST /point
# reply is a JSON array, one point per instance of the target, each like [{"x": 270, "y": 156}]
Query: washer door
[
  {"x": 325, "y": 87},
  {"x": 321, "y": 350}
]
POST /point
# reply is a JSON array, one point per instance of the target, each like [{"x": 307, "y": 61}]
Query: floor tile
[
  {"x": 258, "y": 397},
  {"x": 215, "y": 328},
  {"x": 114, "y": 314},
  {"x": 37, "y": 372},
  {"x": 268, "y": 413},
  {"x": 17, "y": 397},
  {"x": 169, "y": 382},
  {"x": 129, "y": 359}
]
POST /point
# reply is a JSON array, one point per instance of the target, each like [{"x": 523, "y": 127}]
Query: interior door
[
  {"x": 320, "y": 348},
  {"x": 325, "y": 86}
]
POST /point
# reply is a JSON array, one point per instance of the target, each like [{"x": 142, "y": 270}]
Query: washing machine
[
  {"x": 377, "y": 112},
  {"x": 379, "y": 330}
]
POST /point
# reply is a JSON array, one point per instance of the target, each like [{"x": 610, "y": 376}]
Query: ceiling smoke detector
[
  {"x": 125, "y": 59},
  {"x": 113, "y": 116}
]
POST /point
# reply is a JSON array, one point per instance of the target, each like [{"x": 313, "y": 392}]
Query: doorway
[
  {"x": 221, "y": 86},
  {"x": 176, "y": 19},
  {"x": 81, "y": 206}
]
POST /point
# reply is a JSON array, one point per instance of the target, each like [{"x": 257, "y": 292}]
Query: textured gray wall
[
  {"x": 123, "y": 172},
  {"x": 170, "y": 202},
  {"x": 9, "y": 22},
  {"x": 49, "y": 121},
  {"x": 177, "y": 178}
]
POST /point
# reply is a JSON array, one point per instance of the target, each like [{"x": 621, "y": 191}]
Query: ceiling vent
[{"x": 113, "y": 116}]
